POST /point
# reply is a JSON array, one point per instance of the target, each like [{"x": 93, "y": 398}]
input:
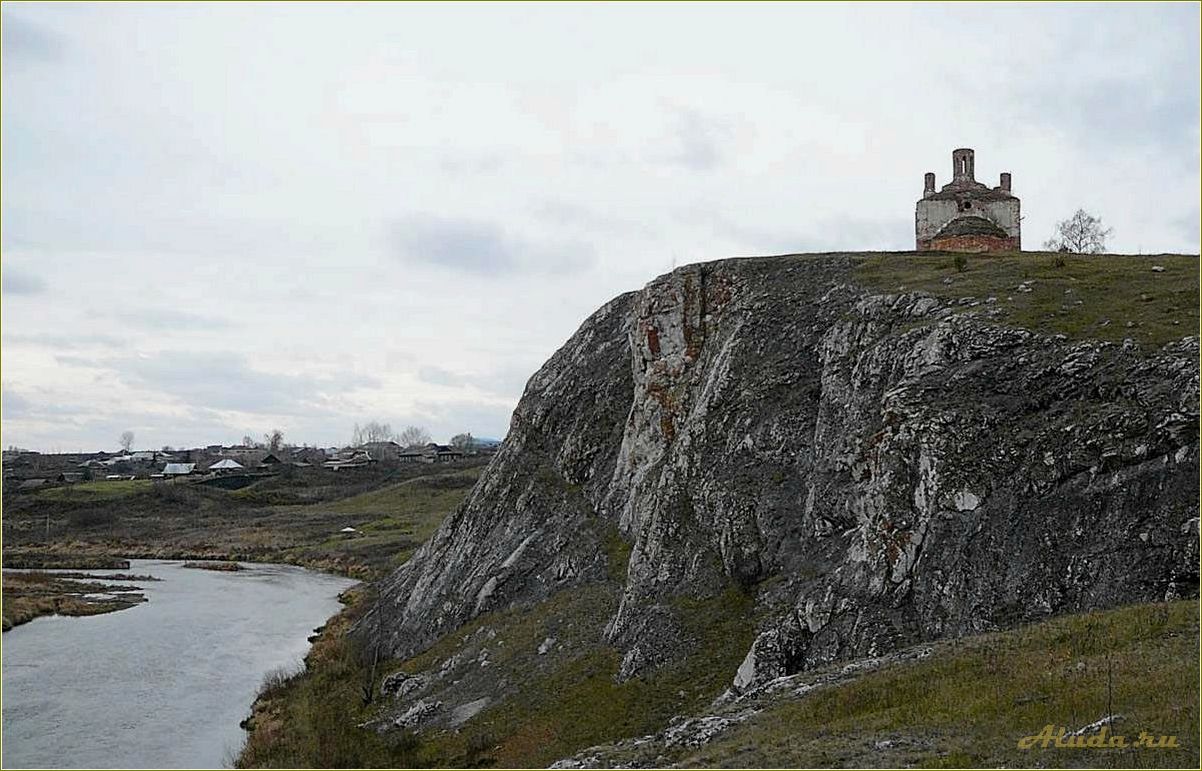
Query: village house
[
  {"x": 308, "y": 456},
  {"x": 348, "y": 459},
  {"x": 411, "y": 454},
  {"x": 178, "y": 469},
  {"x": 966, "y": 215},
  {"x": 388, "y": 450},
  {"x": 226, "y": 466},
  {"x": 430, "y": 453}
]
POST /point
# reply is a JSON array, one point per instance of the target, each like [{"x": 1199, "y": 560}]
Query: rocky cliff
[{"x": 871, "y": 467}]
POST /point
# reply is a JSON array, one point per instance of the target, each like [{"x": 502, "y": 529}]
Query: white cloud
[
  {"x": 240, "y": 216},
  {"x": 18, "y": 282}
]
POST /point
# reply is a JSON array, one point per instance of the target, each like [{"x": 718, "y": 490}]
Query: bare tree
[
  {"x": 463, "y": 441},
  {"x": 127, "y": 440},
  {"x": 273, "y": 439},
  {"x": 1081, "y": 233},
  {"x": 414, "y": 435},
  {"x": 371, "y": 431},
  {"x": 247, "y": 441}
]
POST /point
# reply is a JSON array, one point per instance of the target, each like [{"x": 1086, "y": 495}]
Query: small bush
[
  {"x": 478, "y": 752},
  {"x": 173, "y": 492},
  {"x": 275, "y": 681},
  {"x": 89, "y": 518},
  {"x": 960, "y": 262}
]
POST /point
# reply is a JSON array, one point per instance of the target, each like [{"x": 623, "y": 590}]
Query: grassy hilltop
[{"x": 1100, "y": 297}]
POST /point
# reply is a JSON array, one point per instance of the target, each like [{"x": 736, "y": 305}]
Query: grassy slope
[
  {"x": 95, "y": 491},
  {"x": 289, "y": 518},
  {"x": 392, "y": 521},
  {"x": 966, "y": 705},
  {"x": 1092, "y": 297},
  {"x": 563, "y": 701},
  {"x": 970, "y": 703}
]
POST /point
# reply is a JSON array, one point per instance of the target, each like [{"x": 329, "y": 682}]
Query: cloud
[
  {"x": 472, "y": 163},
  {"x": 452, "y": 417},
  {"x": 227, "y": 382},
  {"x": 18, "y": 282},
  {"x": 18, "y": 406},
  {"x": 1108, "y": 111},
  {"x": 471, "y": 246},
  {"x": 506, "y": 382},
  {"x": 24, "y": 40},
  {"x": 66, "y": 342},
  {"x": 169, "y": 319},
  {"x": 1114, "y": 85},
  {"x": 374, "y": 205},
  {"x": 484, "y": 248},
  {"x": 700, "y": 140},
  {"x": 14, "y": 404},
  {"x": 839, "y": 233},
  {"x": 1189, "y": 226},
  {"x": 440, "y": 376}
]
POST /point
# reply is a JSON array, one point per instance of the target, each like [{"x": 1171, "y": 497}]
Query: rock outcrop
[{"x": 876, "y": 470}]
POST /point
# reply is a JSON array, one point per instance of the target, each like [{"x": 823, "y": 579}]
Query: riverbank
[
  {"x": 29, "y": 595},
  {"x": 310, "y": 718},
  {"x": 291, "y": 518}
]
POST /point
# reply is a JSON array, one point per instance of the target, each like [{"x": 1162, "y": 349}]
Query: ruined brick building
[{"x": 967, "y": 216}]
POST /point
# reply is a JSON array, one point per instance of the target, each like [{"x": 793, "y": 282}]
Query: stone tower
[{"x": 965, "y": 215}]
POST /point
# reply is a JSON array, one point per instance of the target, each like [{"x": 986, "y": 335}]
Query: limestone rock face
[{"x": 876, "y": 470}]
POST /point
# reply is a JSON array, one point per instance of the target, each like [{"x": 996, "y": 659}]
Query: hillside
[
  {"x": 760, "y": 468},
  {"x": 960, "y": 703},
  {"x": 291, "y": 517}
]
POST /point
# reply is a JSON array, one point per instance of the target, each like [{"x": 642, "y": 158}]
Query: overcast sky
[{"x": 222, "y": 219}]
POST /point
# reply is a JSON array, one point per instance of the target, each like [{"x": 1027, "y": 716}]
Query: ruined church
[{"x": 966, "y": 215}]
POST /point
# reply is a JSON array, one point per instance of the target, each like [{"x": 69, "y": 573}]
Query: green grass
[
  {"x": 548, "y": 707},
  {"x": 968, "y": 704},
  {"x": 617, "y": 552},
  {"x": 394, "y": 520},
  {"x": 1089, "y": 297},
  {"x": 96, "y": 491},
  {"x": 965, "y": 705},
  {"x": 555, "y": 710}
]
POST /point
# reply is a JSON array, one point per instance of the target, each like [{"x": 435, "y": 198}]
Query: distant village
[{"x": 228, "y": 466}]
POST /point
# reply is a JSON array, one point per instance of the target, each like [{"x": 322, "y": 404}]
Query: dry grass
[
  {"x": 310, "y": 719},
  {"x": 30, "y": 595},
  {"x": 180, "y": 521},
  {"x": 218, "y": 565}
]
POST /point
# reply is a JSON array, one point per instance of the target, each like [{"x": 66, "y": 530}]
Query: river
[{"x": 163, "y": 684}]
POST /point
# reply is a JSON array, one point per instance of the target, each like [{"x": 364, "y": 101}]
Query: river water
[{"x": 163, "y": 684}]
